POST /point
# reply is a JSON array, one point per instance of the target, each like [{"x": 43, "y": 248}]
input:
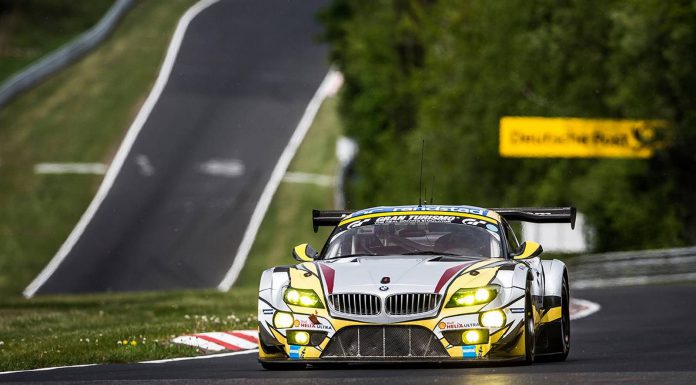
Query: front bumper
[{"x": 425, "y": 340}]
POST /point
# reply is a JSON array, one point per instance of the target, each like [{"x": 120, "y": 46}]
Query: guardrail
[
  {"x": 64, "y": 55},
  {"x": 633, "y": 268}
]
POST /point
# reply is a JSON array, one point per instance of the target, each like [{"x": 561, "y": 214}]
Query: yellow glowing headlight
[
  {"x": 477, "y": 296},
  {"x": 475, "y": 336},
  {"x": 492, "y": 319},
  {"x": 302, "y": 297},
  {"x": 283, "y": 320},
  {"x": 298, "y": 338},
  {"x": 471, "y": 336}
]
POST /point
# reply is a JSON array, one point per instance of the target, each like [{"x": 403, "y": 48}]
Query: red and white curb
[
  {"x": 581, "y": 308},
  {"x": 233, "y": 341}
]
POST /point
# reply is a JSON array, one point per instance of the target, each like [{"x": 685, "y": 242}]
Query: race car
[{"x": 429, "y": 283}]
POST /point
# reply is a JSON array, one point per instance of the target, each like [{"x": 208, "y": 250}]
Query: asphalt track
[
  {"x": 642, "y": 335},
  {"x": 178, "y": 209}
]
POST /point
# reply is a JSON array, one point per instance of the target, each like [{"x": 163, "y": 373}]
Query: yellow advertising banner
[{"x": 538, "y": 137}]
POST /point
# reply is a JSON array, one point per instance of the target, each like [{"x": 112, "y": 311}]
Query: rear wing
[
  {"x": 526, "y": 214},
  {"x": 328, "y": 217},
  {"x": 539, "y": 214}
]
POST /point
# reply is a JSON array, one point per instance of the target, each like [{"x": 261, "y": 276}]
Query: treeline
[{"x": 446, "y": 70}]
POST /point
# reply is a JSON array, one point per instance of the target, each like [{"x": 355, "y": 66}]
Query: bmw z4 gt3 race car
[{"x": 417, "y": 283}]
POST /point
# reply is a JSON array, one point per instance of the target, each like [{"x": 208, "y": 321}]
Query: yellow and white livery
[{"x": 417, "y": 283}]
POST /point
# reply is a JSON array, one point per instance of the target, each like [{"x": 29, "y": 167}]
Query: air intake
[{"x": 384, "y": 342}]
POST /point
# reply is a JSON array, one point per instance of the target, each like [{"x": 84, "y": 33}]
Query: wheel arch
[{"x": 554, "y": 272}]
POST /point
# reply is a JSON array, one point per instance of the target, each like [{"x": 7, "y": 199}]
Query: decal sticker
[
  {"x": 474, "y": 222},
  {"x": 422, "y": 218},
  {"x": 445, "y": 325},
  {"x": 295, "y": 351},
  {"x": 267, "y": 311},
  {"x": 309, "y": 325},
  {"x": 454, "y": 209},
  {"x": 469, "y": 351},
  {"x": 516, "y": 310}
]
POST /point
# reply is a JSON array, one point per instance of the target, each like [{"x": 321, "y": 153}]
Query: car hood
[{"x": 390, "y": 274}]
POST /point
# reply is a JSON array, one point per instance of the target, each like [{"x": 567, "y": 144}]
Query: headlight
[
  {"x": 468, "y": 297},
  {"x": 283, "y": 320},
  {"x": 302, "y": 297},
  {"x": 492, "y": 319},
  {"x": 475, "y": 336},
  {"x": 298, "y": 338}
]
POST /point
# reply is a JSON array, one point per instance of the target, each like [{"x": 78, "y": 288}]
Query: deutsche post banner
[{"x": 538, "y": 137}]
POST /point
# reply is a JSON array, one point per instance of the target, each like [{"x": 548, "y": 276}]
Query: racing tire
[
  {"x": 564, "y": 326},
  {"x": 529, "y": 335},
  {"x": 281, "y": 366}
]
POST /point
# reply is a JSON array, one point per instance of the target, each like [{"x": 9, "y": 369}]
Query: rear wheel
[{"x": 529, "y": 336}]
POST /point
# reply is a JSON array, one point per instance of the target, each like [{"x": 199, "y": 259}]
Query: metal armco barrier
[{"x": 64, "y": 55}]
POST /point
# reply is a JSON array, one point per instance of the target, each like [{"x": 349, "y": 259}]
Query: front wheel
[
  {"x": 529, "y": 336},
  {"x": 564, "y": 326}
]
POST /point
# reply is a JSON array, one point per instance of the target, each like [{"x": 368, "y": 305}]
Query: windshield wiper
[{"x": 428, "y": 252}]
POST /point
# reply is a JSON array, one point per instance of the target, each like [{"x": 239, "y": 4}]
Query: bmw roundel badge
[{"x": 384, "y": 288}]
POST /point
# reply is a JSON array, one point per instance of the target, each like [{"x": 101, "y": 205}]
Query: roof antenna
[
  {"x": 420, "y": 178},
  {"x": 432, "y": 189}
]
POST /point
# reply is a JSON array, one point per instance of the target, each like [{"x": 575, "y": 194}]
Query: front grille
[
  {"x": 412, "y": 303},
  {"x": 358, "y": 304},
  {"x": 385, "y": 342}
]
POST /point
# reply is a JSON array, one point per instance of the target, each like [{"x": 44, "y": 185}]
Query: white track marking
[
  {"x": 146, "y": 167},
  {"x": 305, "y": 177},
  {"x": 584, "y": 308},
  {"x": 70, "y": 168},
  {"x": 124, "y": 149},
  {"x": 328, "y": 84},
  {"x": 46, "y": 369},
  {"x": 229, "y": 168},
  {"x": 200, "y": 357},
  {"x": 633, "y": 280},
  {"x": 164, "y": 361}
]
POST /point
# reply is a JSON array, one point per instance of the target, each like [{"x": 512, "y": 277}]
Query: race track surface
[
  {"x": 177, "y": 211},
  {"x": 642, "y": 335}
]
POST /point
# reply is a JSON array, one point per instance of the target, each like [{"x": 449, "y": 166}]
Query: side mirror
[
  {"x": 304, "y": 253},
  {"x": 528, "y": 249}
]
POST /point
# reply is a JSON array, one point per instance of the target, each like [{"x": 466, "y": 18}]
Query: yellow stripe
[
  {"x": 551, "y": 315},
  {"x": 395, "y": 213}
]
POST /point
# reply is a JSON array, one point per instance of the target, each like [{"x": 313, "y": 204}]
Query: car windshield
[{"x": 473, "y": 239}]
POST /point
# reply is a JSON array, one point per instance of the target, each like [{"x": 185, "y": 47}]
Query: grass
[
  {"x": 79, "y": 115},
  {"x": 69, "y": 330},
  {"x": 31, "y": 29}
]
